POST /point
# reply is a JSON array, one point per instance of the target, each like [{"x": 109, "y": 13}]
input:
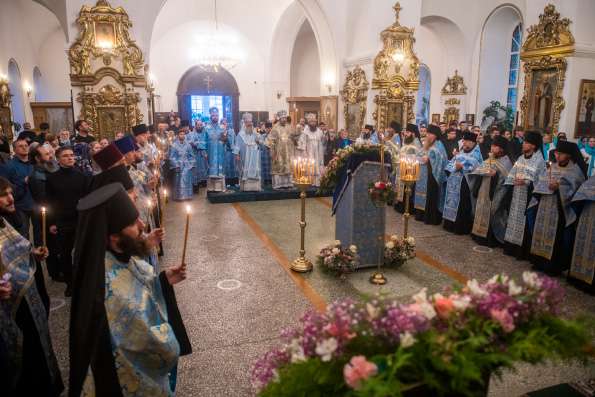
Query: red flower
[{"x": 380, "y": 185}]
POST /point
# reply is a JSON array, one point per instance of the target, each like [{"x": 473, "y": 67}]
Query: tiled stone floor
[{"x": 230, "y": 328}]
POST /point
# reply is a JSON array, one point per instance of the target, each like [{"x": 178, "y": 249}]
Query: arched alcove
[
  {"x": 495, "y": 57},
  {"x": 210, "y": 87},
  {"x": 16, "y": 89},
  {"x": 422, "y": 112},
  {"x": 305, "y": 64}
]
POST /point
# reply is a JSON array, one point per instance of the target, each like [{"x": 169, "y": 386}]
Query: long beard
[
  {"x": 312, "y": 129},
  {"x": 134, "y": 246},
  {"x": 408, "y": 140}
]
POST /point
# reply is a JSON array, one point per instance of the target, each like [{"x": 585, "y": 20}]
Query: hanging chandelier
[{"x": 217, "y": 49}]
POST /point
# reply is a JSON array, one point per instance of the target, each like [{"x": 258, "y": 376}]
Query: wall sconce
[
  {"x": 328, "y": 82},
  {"x": 151, "y": 81},
  {"x": 28, "y": 89},
  {"x": 3, "y": 78},
  {"x": 279, "y": 94},
  {"x": 398, "y": 56}
]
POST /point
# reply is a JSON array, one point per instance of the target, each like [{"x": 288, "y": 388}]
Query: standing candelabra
[
  {"x": 377, "y": 277},
  {"x": 303, "y": 173},
  {"x": 409, "y": 174}
]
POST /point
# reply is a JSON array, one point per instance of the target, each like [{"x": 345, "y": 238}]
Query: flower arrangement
[
  {"x": 337, "y": 260},
  {"x": 397, "y": 251},
  {"x": 381, "y": 193},
  {"x": 330, "y": 178},
  {"x": 447, "y": 343}
]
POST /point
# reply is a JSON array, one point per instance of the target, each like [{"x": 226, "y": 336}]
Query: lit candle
[
  {"x": 150, "y": 209},
  {"x": 43, "y": 235},
  {"x": 186, "y": 233},
  {"x": 165, "y": 195}
]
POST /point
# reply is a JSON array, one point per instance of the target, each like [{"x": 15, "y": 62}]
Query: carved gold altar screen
[
  {"x": 396, "y": 75},
  {"x": 355, "y": 95},
  {"x": 544, "y": 56},
  {"x": 5, "y": 116},
  {"x": 107, "y": 71},
  {"x": 453, "y": 96}
]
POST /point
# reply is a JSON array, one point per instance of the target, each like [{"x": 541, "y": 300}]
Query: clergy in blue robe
[
  {"x": 219, "y": 140},
  {"x": 553, "y": 232},
  {"x": 525, "y": 172},
  {"x": 29, "y": 366},
  {"x": 491, "y": 195},
  {"x": 197, "y": 138},
  {"x": 429, "y": 189},
  {"x": 582, "y": 266},
  {"x": 458, "y": 212},
  {"x": 182, "y": 162},
  {"x": 231, "y": 171},
  {"x": 126, "y": 333},
  {"x": 247, "y": 153}
]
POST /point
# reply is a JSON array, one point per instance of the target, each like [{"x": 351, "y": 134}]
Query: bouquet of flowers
[
  {"x": 443, "y": 344},
  {"x": 397, "y": 251},
  {"x": 337, "y": 260},
  {"x": 381, "y": 193}
]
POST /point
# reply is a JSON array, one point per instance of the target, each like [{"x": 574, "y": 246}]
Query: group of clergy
[
  {"x": 126, "y": 333},
  {"x": 214, "y": 154},
  {"x": 535, "y": 209}
]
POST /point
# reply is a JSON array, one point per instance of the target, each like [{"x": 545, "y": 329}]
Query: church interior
[{"x": 367, "y": 266}]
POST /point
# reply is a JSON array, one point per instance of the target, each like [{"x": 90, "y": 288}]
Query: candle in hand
[
  {"x": 43, "y": 224},
  {"x": 186, "y": 234}
]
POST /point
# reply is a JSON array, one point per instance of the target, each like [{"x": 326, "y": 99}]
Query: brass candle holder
[
  {"x": 409, "y": 174},
  {"x": 378, "y": 277},
  {"x": 303, "y": 171}
]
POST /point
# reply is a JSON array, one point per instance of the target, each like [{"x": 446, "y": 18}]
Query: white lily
[{"x": 326, "y": 348}]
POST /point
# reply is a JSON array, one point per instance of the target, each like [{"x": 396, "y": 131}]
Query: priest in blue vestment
[
  {"x": 429, "y": 189},
  {"x": 522, "y": 178},
  {"x": 29, "y": 366},
  {"x": 582, "y": 266},
  {"x": 197, "y": 138},
  {"x": 555, "y": 219},
  {"x": 247, "y": 154},
  {"x": 182, "y": 162},
  {"x": 458, "y": 212},
  {"x": 126, "y": 332},
  {"x": 219, "y": 141}
]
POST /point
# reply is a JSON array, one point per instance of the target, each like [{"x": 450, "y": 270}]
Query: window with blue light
[{"x": 513, "y": 69}]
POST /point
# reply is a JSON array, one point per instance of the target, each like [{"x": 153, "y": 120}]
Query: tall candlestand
[
  {"x": 409, "y": 173},
  {"x": 377, "y": 277},
  {"x": 302, "y": 180}
]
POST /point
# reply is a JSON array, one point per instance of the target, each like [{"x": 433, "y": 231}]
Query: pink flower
[
  {"x": 503, "y": 318},
  {"x": 444, "y": 306},
  {"x": 380, "y": 185},
  {"x": 358, "y": 369}
]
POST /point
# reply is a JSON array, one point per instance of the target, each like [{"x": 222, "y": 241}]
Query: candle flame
[
  {"x": 43, "y": 210},
  {"x": 188, "y": 209},
  {"x": 149, "y": 203}
]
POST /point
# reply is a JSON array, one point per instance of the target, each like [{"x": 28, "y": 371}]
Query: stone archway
[{"x": 208, "y": 81}]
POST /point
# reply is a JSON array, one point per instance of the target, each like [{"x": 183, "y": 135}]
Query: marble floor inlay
[{"x": 240, "y": 291}]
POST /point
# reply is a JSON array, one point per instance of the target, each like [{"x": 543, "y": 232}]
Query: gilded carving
[
  {"x": 396, "y": 75},
  {"x": 451, "y": 114},
  {"x": 551, "y": 36},
  {"x": 110, "y": 97},
  {"x": 452, "y": 101},
  {"x": 104, "y": 34},
  {"x": 355, "y": 96},
  {"x": 5, "y": 94},
  {"x": 454, "y": 85},
  {"x": 544, "y": 64}
]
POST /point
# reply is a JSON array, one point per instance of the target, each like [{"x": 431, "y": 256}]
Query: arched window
[
  {"x": 513, "y": 72},
  {"x": 422, "y": 113}
]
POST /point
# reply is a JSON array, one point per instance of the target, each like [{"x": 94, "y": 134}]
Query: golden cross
[
  {"x": 208, "y": 80},
  {"x": 397, "y": 7}
]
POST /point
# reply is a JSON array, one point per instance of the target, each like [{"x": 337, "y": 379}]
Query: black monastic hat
[
  {"x": 434, "y": 130},
  {"x": 140, "y": 129},
  {"x": 469, "y": 136}
]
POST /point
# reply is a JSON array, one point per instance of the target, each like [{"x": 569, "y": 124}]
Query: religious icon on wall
[
  {"x": 111, "y": 121},
  {"x": 105, "y": 35},
  {"x": 394, "y": 112},
  {"x": 470, "y": 119},
  {"x": 585, "y": 117},
  {"x": 5, "y": 122},
  {"x": 328, "y": 108},
  {"x": 354, "y": 119},
  {"x": 543, "y": 92},
  {"x": 435, "y": 118}
]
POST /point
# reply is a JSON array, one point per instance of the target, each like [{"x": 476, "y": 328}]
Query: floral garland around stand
[
  {"x": 398, "y": 250},
  {"x": 381, "y": 193},
  {"x": 445, "y": 344},
  {"x": 337, "y": 260},
  {"x": 330, "y": 178}
]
